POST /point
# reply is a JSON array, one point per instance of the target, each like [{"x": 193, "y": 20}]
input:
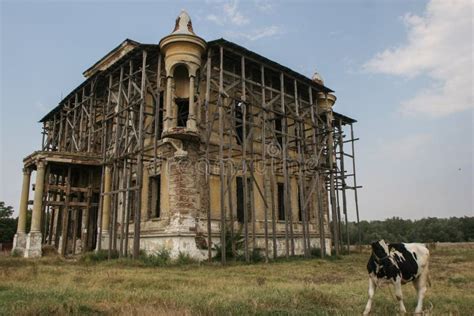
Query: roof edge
[
  {"x": 90, "y": 71},
  {"x": 224, "y": 42}
]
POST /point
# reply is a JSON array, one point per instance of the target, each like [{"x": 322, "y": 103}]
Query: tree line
[
  {"x": 395, "y": 229},
  {"x": 425, "y": 230}
]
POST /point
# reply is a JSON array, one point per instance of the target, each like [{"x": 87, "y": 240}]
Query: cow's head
[{"x": 380, "y": 249}]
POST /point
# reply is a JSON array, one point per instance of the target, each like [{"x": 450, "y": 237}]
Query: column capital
[
  {"x": 26, "y": 171},
  {"x": 40, "y": 164}
]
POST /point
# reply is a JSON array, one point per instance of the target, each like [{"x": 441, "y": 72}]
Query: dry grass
[{"x": 312, "y": 287}]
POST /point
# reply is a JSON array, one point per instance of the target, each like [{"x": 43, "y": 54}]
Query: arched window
[{"x": 181, "y": 86}]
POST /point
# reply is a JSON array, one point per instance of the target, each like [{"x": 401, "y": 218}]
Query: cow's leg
[
  {"x": 420, "y": 286},
  {"x": 372, "y": 288},
  {"x": 399, "y": 294}
]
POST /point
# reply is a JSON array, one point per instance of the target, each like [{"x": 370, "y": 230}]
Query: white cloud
[
  {"x": 214, "y": 18},
  {"x": 257, "y": 34},
  {"x": 439, "y": 44},
  {"x": 230, "y": 13},
  {"x": 239, "y": 25}
]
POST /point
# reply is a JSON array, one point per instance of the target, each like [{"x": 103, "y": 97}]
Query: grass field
[{"x": 299, "y": 286}]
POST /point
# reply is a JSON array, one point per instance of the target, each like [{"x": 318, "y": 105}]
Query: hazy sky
[{"x": 403, "y": 69}]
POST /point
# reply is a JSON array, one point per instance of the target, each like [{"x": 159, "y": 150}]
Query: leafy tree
[
  {"x": 7, "y": 223},
  {"x": 5, "y": 211}
]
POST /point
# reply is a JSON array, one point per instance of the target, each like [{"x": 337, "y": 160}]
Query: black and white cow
[{"x": 398, "y": 264}]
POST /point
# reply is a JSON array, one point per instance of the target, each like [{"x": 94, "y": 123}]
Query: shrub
[
  {"x": 256, "y": 255},
  {"x": 100, "y": 255},
  {"x": 184, "y": 258},
  {"x": 158, "y": 259},
  {"x": 315, "y": 252},
  {"x": 237, "y": 239}
]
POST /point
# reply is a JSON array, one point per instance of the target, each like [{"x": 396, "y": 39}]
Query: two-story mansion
[{"x": 187, "y": 145}]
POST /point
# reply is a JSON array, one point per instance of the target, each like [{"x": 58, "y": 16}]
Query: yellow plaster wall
[{"x": 215, "y": 196}]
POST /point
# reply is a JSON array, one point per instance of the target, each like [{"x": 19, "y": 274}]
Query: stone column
[
  {"x": 19, "y": 241},
  {"x": 106, "y": 207},
  {"x": 191, "y": 122},
  {"x": 33, "y": 240},
  {"x": 168, "y": 104}
]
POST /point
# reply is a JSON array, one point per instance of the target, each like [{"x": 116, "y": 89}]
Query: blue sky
[{"x": 403, "y": 69}]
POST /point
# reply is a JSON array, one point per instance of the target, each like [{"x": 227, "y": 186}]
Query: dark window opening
[
  {"x": 240, "y": 199},
  {"x": 239, "y": 127},
  {"x": 155, "y": 196},
  {"x": 239, "y": 122},
  {"x": 281, "y": 202},
  {"x": 183, "y": 111},
  {"x": 181, "y": 91},
  {"x": 279, "y": 129},
  {"x": 131, "y": 200},
  {"x": 160, "y": 115}
]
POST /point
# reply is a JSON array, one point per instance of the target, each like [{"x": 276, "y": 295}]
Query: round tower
[
  {"x": 182, "y": 51},
  {"x": 325, "y": 101}
]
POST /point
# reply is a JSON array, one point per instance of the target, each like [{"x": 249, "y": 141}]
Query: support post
[
  {"x": 343, "y": 184},
  {"x": 355, "y": 187},
  {"x": 265, "y": 174},
  {"x": 208, "y": 136},
  {"x": 332, "y": 194},
  {"x": 244, "y": 161},
  {"x": 137, "y": 219}
]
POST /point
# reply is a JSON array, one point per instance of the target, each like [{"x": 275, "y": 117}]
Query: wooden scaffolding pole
[
  {"x": 320, "y": 214},
  {"x": 286, "y": 184},
  {"x": 343, "y": 183},
  {"x": 330, "y": 155},
  {"x": 265, "y": 173},
  {"x": 220, "y": 105},
  {"x": 208, "y": 136},
  {"x": 137, "y": 218},
  {"x": 355, "y": 186},
  {"x": 301, "y": 177},
  {"x": 243, "y": 105}
]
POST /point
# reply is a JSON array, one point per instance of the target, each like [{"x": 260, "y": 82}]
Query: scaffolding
[
  {"x": 258, "y": 117},
  {"x": 265, "y": 95}
]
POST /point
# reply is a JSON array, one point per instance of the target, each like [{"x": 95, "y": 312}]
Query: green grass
[{"x": 299, "y": 286}]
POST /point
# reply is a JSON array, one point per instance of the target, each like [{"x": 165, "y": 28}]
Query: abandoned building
[{"x": 189, "y": 145}]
